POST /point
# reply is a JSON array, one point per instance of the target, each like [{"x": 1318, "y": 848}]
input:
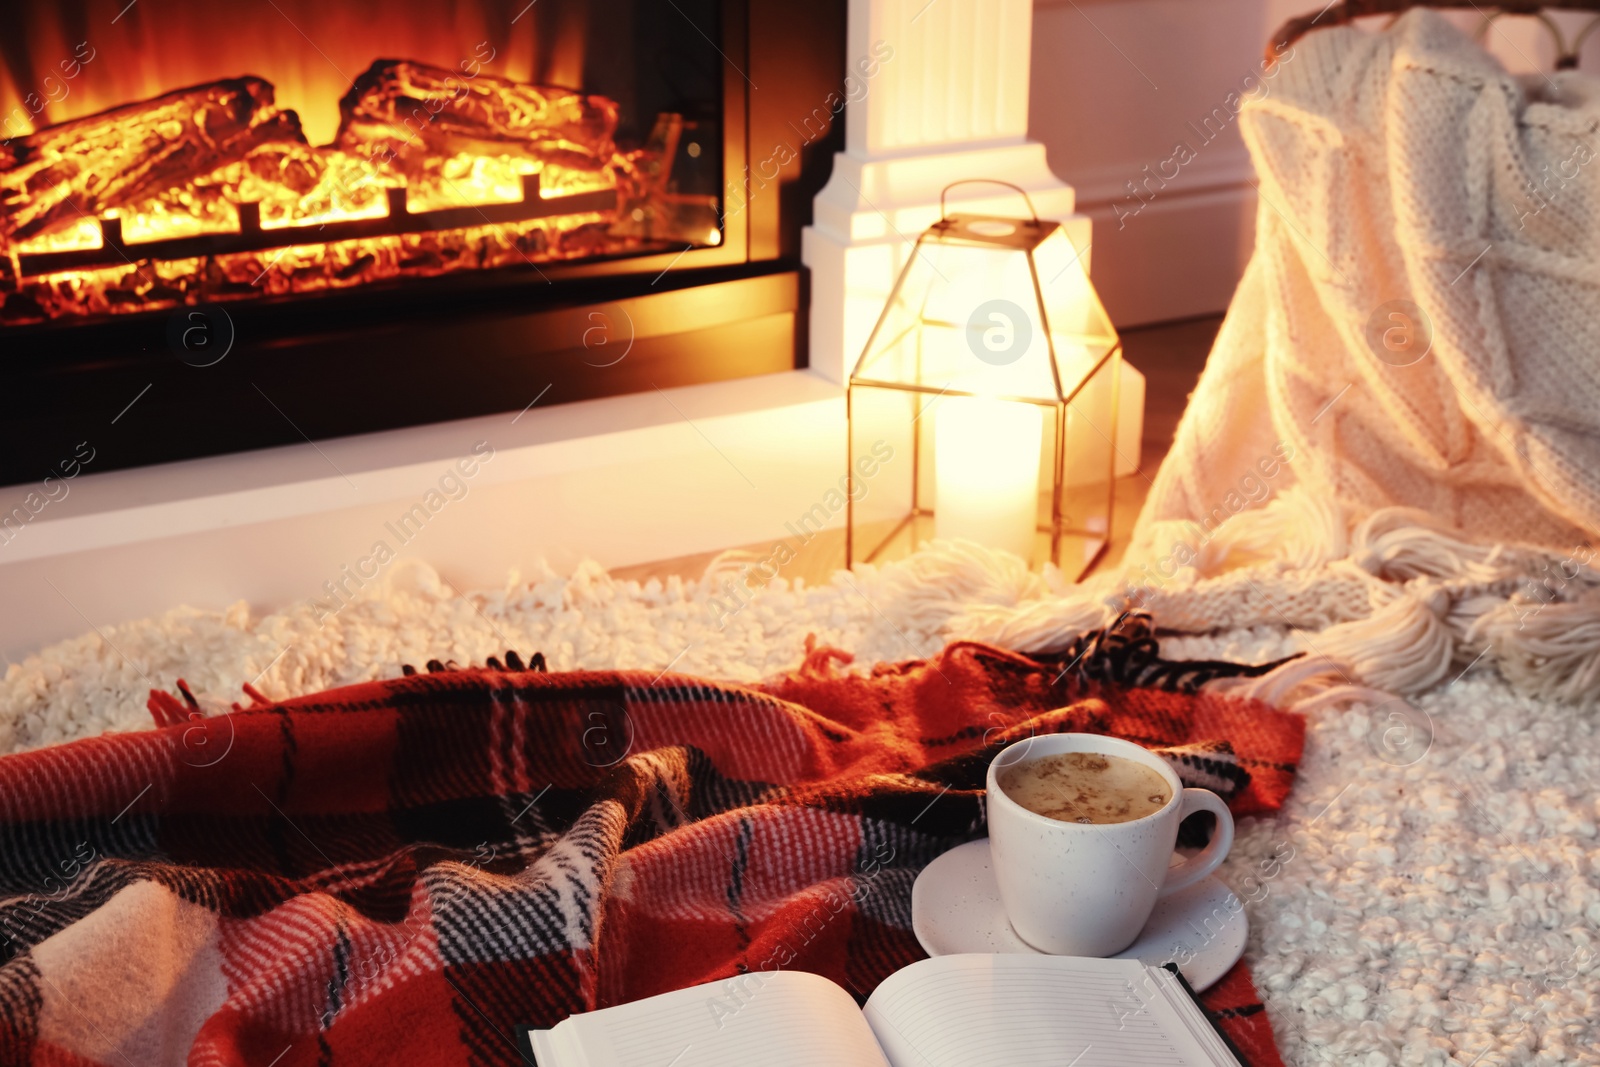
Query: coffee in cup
[{"x": 1086, "y": 787}]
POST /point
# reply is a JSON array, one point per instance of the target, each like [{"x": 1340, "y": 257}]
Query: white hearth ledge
[
  {"x": 621, "y": 480},
  {"x": 298, "y": 481}
]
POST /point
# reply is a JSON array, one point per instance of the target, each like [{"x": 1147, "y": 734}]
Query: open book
[{"x": 961, "y": 1011}]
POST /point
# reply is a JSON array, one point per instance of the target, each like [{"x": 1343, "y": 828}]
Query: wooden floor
[{"x": 1170, "y": 356}]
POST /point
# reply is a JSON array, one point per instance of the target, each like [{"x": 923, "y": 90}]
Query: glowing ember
[{"x": 214, "y": 193}]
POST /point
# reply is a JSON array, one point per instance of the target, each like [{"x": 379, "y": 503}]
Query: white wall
[{"x": 1115, "y": 85}]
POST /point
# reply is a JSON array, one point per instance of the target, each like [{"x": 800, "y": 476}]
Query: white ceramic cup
[{"x": 1087, "y": 889}]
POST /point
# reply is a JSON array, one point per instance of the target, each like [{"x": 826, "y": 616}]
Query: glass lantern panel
[
  {"x": 1088, "y": 466},
  {"x": 884, "y": 431},
  {"x": 1079, "y": 326},
  {"x": 991, "y": 470},
  {"x": 1032, "y": 479},
  {"x": 963, "y": 318}
]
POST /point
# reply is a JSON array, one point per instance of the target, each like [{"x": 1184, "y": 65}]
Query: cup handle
[{"x": 1207, "y": 860}]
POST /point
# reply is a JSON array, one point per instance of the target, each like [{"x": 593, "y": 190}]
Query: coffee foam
[{"x": 1086, "y": 787}]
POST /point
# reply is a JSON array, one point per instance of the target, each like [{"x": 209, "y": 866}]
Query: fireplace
[
  {"x": 936, "y": 93},
  {"x": 226, "y": 227}
]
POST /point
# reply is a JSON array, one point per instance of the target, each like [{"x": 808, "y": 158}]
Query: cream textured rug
[{"x": 1430, "y": 895}]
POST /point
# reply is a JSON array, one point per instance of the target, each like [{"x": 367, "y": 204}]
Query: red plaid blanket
[{"x": 404, "y": 872}]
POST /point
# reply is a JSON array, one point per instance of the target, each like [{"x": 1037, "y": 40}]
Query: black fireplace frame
[{"x": 143, "y": 388}]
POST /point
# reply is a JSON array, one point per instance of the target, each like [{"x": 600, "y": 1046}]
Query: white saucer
[{"x": 955, "y": 907}]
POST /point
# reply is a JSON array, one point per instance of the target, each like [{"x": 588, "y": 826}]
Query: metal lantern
[{"x": 984, "y": 407}]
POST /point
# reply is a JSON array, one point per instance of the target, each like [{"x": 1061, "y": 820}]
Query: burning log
[
  {"x": 89, "y": 166},
  {"x": 417, "y": 114}
]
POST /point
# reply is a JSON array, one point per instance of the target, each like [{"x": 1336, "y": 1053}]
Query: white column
[
  {"x": 949, "y": 102},
  {"x": 958, "y": 78}
]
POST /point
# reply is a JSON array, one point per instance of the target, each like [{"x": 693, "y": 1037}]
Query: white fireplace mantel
[{"x": 622, "y": 480}]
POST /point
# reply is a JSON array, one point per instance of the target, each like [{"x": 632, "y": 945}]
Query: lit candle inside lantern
[{"x": 986, "y": 472}]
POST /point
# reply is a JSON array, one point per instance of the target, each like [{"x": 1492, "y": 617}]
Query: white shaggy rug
[
  {"x": 1441, "y": 912},
  {"x": 1430, "y": 895},
  {"x": 716, "y": 626}
]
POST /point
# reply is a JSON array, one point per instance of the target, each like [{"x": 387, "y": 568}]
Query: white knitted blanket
[{"x": 1420, "y": 322}]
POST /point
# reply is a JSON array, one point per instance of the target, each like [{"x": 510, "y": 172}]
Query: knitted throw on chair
[
  {"x": 1418, "y": 322},
  {"x": 406, "y": 871}
]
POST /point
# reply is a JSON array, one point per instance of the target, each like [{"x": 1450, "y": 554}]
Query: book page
[
  {"x": 777, "y": 1018},
  {"x": 1032, "y": 1011}
]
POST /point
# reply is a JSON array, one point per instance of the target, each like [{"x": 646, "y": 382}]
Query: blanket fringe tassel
[{"x": 1398, "y": 603}]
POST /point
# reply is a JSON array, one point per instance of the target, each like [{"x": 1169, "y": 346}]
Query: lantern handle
[{"x": 986, "y": 181}]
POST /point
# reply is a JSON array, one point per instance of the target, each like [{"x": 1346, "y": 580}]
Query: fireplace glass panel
[{"x": 154, "y": 155}]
